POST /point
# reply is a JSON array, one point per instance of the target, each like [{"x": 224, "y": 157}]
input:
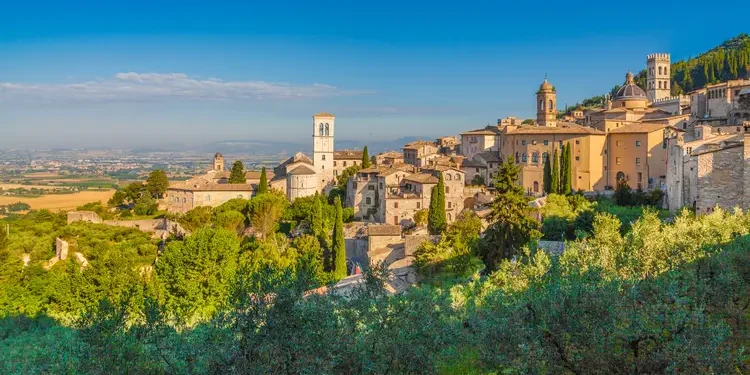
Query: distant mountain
[
  {"x": 729, "y": 60},
  {"x": 250, "y": 147}
]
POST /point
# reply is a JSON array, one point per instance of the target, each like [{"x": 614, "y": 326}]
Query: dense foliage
[
  {"x": 237, "y": 174},
  {"x": 436, "y": 217}
]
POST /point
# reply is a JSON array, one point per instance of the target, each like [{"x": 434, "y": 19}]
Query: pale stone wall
[
  {"x": 472, "y": 144},
  {"x": 377, "y": 242},
  {"x": 87, "y": 216},
  {"x": 61, "y": 249},
  {"x": 301, "y": 185},
  {"x": 718, "y": 174}
]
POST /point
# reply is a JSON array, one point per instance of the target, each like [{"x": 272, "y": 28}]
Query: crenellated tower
[{"x": 658, "y": 80}]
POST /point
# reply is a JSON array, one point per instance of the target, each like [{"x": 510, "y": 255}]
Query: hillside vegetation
[
  {"x": 729, "y": 60},
  {"x": 636, "y": 297}
]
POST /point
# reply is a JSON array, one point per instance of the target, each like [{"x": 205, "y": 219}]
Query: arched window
[
  {"x": 659, "y": 84},
  {"x": 536, "y": 186},
  {"x": 448, "y": 177},
  {"x": 517, "y": 158},
  {"x": 449, "y": 217},
  {"x": 535, "y": 157},
  {"x": 523, "y": 157},
  {"x": 551, "y": 105},
  {"x": 323, "y": 157},
  {"x": 541, "y": 104},
  {"x": 320, "y": 129},
  {"x": 458, "y": 177},
  {"x": 659, "y": 70},
  {"x": 620, "y": 176},
  {"x": 327, "y": 129},
  {"x": 544, "y": 157}
]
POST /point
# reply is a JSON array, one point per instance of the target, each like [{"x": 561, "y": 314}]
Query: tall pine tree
[
  {"x": 511, "y": 224},
  {"x": 547, "y": 174},
  {"x": 555, "y": 175},
  {"x": 338, "y": 247},
  {"x": 366, "y": 163},
  {"x": 237, "y": 176},
  {"x": 436, "y": 219},
  {"x": 263, "y": 183}
]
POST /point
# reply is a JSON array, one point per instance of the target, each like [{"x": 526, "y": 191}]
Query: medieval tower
[
  {"x": 657, "y": 76},
  {"x": 218, "y": 162},
  {"x": 546, "y": 105},
  {"x": 323, "y": 128}
]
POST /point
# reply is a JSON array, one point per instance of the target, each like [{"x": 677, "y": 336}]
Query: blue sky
[{"x": 137, "y": 73}]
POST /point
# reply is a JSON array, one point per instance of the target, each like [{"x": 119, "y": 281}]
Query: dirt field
[{"x": 61, "y": 201}]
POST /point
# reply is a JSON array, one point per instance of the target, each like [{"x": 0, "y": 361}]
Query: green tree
[
  {"x": 134, "y": 191},
  {"x": 263, "y": 184},
  {"x": 237, "y": 175},
  {"x": 420, "y": 218},
  {"x": 157, "y": 183},
  {"x": 145, "y": 205},
  {"x": 436, "y": 218},
  {"x": 316, "y": 217},
  {"x": 547, "y": 178},
  {"x": 230, "y": 220},
  {"x": 566, "y": 171},
  {"x": 196, "y": 218},
  {"x": 338, "y": 248},
  {"x": 511, "y": 223},
  {"x": 478, "y": 180},
  {"x": 265, "y": 212},
  {"x": 117, "y": 199},
  {"x": 195, "y": 274},
  {"x": 3, "y": 236},
  {"x": 555, "y": 178},
  {"x": 366, "y": 163},
  {"x": 623, "y": 195},
  {"x": 310, "y": 260}
]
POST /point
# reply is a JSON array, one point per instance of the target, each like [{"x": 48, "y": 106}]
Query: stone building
[
  {"x": 709, "y": 172},
  {"x": 546, "y": 108},
  {"x": 480, "y": 140},
  {"x": 389, "y": 158},
  {"x": 419, "y": 152},
  {"x": 298, "y": 176},
  {"x": 393, "y": 194}
]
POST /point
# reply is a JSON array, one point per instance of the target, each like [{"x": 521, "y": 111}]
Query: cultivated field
[
  {"x": 62, "y": 201},
  {"x": 16, "y": 186}
]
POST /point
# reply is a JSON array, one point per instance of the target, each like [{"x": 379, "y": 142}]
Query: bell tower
[
  {"x": 323, "y": 130},
  {"x": 658, "y": 76},
  {"x": 546, "y": 105},
  {"x": 218, "y": 162}
]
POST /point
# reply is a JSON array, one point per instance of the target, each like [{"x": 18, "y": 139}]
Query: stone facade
[
  {"x": 61, "y": 249},
  {"x": 419, "y": 152},
  {"x": 86, "y": 216},
  {"x": 658, "y": 79}
]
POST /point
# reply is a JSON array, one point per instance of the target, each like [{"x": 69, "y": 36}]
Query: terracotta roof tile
[{"x": 561, "y": 128}]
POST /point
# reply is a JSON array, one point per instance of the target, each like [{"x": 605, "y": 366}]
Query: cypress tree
[
  {"x": 237, "y": 176},
  {"x": 366, "y": 163},
  {"x": 555, "y": 176},
  {"x": 263, "y": 184},
  {"x": 316, "y": 221},
  {"x": 339, "y": 246},
  {"x": 436, "y": 220},
  {"x": 547, "y": 174},
  {"x": 566, "y": 170}
]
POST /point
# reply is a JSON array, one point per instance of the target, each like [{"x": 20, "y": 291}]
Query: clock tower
[{"x": 323, "y": 128}]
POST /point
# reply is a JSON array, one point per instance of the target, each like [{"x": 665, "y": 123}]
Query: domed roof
[
  {"x": 630, "y": 90},
  {"x": 218, "y": 155},
  {"x": 545, "y": 86}
]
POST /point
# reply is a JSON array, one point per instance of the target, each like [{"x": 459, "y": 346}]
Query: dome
[
  {"x": 218, "y": 155},
  {"x": 630, "y": 90},
  {"x": 545, "y": 86}
]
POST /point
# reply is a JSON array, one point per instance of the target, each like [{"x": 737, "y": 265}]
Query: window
[
  {"x": 447, "y": 189},
  {"x": 490, "y": 164},
  {"x": 535, "y": 158},
  {"x": 208, "y": 198},
  {"x": 637, "y": 161},
  {"x": 344, "y": 163},
  {"x": 637, "y": 143},
  {"x": 544, "y": 157},
  {"x": 551, "y": 106},
  {"x": 546, "y": 142},
  {"x": 184, "y": 200},
  {"x": 458, "y": 177},
  {"x": 335, "y": 172},
  {"x": 448, "y": 177},
  {"x": 323, "y": 157},
  {"x": 381, "y": 186},
  {"x": 517, "y": 159},
  {"x": 449, "y": 204},
  {"x": 419, "y": 205},
  {"x": 334, "y": 163},
  {"x": 326, "y": 128},
  {"x": 617, "y": 161},
  {"x": 533, "y": 142},
  {"x": 523, "y": 142},
  {"x": 578, "y": 142},
  {"x": 618, "y": 143},
  {"x": 477, "y": 169},
  {"x": 659, "y": 70},
  {"x": 578, "y": 158},
  {"x": 536, "y": 186},
  {"x": 523, "y": 157},
  {"x": 395, "y": 204},
  {"x": 371, "y": 187},
  {"x": 561, "y": 145},
  {"x": 320, "y": 129},
  {"x": 368, "y": 200}
]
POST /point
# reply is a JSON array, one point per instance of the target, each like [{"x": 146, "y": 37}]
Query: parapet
[{"x": 658, "y": 57}]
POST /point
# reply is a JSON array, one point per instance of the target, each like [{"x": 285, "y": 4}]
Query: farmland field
[{"x": 60, "y": 202}]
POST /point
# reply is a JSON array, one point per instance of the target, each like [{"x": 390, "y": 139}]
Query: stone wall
[
  {"x": 719, "y": 173},
  {"x": 61, "y": 249},
  {"x": 377, "y": 242},
  {"x": 356, "y": 250},
  {"x": 413, "y": 242},
  {"x": 87, "y": 216}
]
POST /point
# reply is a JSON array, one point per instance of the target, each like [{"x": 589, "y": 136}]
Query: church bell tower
[
  {"x": 546, "y": 105},
  {"x": 323, "y": 130}
]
